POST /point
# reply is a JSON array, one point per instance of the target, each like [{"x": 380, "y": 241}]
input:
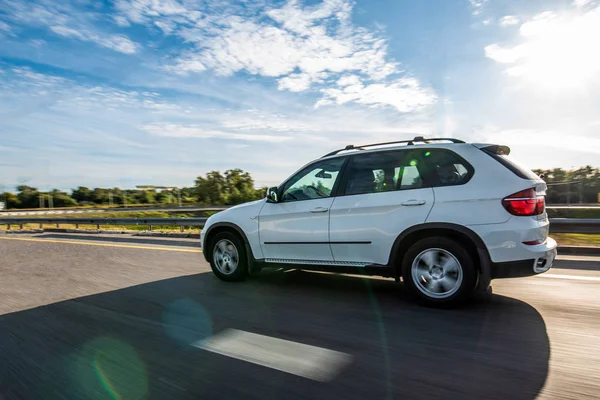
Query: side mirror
[{"x": 272, "y": 196}]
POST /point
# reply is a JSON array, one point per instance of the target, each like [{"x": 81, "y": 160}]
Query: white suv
[{"x": 444, "y": 215}]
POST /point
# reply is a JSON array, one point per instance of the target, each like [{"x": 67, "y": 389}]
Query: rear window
[{"x": 511, "y": 164}]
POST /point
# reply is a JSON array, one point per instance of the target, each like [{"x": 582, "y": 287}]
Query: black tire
[
  {"x": 441, "y": 285},
  {"x": 235, "y": 246}
]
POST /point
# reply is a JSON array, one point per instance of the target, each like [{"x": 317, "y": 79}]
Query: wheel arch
[
  {"x": 462, "y": 234},
  {"x": 224, "y": 227}
]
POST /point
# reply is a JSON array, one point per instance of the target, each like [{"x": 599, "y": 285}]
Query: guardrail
[
  {"x": 150, "y": 222},
  {"x": 59, "y": 211},
  {"x": 557, "y": 225}
]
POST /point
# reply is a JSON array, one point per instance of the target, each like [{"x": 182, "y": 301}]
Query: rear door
[{"x": 381, "y": 195}]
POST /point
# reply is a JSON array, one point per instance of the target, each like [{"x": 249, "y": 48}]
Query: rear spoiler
[{"x": 493, "y": 148}]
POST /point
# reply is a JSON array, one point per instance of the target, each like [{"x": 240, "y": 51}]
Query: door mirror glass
[{"x": 272, "y": 195}]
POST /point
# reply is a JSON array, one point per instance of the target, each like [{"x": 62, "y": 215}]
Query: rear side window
[
  {"x": 404, "y": 170},
  {"x": 441, "y": 167},
  {"x": 380, "y": 172}
]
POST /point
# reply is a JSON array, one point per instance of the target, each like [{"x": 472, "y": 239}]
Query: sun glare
[{"x": 559, "y": 51}]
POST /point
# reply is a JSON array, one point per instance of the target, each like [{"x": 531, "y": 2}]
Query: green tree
[
  {"x": 210, "y": 190},
  {"x": 82, "y": 194},
  {"x": 63, "y": 200},
  {"x": 99, "y": 196},
  {"x": 234, "y": 187},
  {"x": 145, "y": 196},
  {"x": 571, "y": 186},
  {"x": 239, "y": 187},
  {"x": 165, "y": 197},
  {"x": 28, "y": 197},
  {"x": 10, "y": 199}
]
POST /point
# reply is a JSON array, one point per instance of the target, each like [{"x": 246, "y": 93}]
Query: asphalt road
[{"x": 132, "y": 318}]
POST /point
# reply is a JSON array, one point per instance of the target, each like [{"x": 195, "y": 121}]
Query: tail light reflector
[
  {"x": 524, "y": 203},
  {"x": 534, "y": 242}
]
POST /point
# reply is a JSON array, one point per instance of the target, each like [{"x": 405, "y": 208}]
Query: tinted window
[
  {"x": 382, "y": 172},
  {"x": 441, "y": 167},
  {"x": 313, "y": 182},
  {"x": 405, "y": 169}
]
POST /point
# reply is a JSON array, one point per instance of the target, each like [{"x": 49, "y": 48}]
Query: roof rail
[{"x": 418, "y": 139}]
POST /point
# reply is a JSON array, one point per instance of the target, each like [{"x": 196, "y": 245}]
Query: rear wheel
[
  {"x": 439, "y": 272},
  {"x": 229, "y": 261}
]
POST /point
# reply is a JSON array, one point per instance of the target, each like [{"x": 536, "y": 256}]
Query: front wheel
[
  {"x": 439, "y": 272},
  {"x": 228, "y": 258}
]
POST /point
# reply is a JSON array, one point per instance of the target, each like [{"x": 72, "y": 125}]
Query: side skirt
[{"x": 339, "y": 267}]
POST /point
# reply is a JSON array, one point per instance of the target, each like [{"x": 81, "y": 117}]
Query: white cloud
[
  {"x": 508, "y": 20},
  {"x": 142, "y": 10},
  {"x": 261, "y": 121},
  {"x": 557, "y": 50},
  {"x": 118, "y": 43},
  {"x": 581, "y": 3},
  {"x": 505, "y": 55},
  {"x": 347, "y": 80},
  {"x": 4, "y": 27},
  {"x": 65, "y": 94},
  {"x": 66, "y": 31},
  {"x": 28, "y": 76},
  {"x": 195, "y": 131},
  {"x": 300, "y": 46},
  {"x": 61, "y": 19},
  {"x": 405, "y": 95},
  {"x": 295, "y": 82},
  {"x": 477, "y": 6}
]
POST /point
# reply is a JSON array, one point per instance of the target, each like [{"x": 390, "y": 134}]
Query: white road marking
[
  {"x": 294, "y": 358},
  {"x": 571, "y": 277}
]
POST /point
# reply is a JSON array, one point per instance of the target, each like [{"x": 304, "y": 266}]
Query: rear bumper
[{"x": 542, "y": 258}]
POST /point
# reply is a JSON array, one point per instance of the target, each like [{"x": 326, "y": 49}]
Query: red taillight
[{"x": 524, "y": 203}]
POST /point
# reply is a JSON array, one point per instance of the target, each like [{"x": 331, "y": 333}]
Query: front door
[{"x": 296, "y": 228}]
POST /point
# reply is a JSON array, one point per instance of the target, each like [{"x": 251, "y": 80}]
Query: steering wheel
[{"x": 317, "y": 191}]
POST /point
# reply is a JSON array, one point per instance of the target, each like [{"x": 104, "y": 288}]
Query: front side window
[{"x": 314, "y": 182}]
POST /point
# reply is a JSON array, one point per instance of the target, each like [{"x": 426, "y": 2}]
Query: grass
[{"x": 577, "y": 239}]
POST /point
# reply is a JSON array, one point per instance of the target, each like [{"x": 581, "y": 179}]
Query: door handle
[
  {"x": 319, "y": 210},
  {"x": 413, "y": 202}
]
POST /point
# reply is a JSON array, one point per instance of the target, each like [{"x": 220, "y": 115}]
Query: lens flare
[
  {"x": 106, "y": 381},
  {"x": 187, "y": 321},
  {"x": 108, "y": 368}
]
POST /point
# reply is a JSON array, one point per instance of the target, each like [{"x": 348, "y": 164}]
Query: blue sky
[{"x": 128, "y": 92}]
